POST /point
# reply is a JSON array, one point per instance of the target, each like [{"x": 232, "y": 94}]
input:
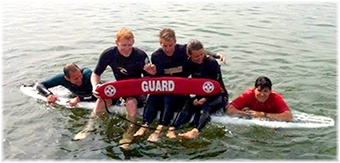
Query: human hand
[
  {"x": 221, "y": 58},
  {"x": 255, "y": 113},
  {"x": 200, "y": 101},
  {"x": 150, "y": 68},
  {"x": 94, "y": 92},
  {"x": 52, "y": 98},
  {"x": 73, "y": 102}
]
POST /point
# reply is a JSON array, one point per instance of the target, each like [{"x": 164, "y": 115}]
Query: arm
[
  {"x": 42, "y": 87},
  {"x": 95, "y": 79},
  {"x": 231, "y": 110},
  {"x": 51, "y": 98},
  {"x": 216, "y": 56},
  {"x": 285, "y": 116}
]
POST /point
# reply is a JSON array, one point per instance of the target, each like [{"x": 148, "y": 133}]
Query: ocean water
[{"x": 294, "y": 44}]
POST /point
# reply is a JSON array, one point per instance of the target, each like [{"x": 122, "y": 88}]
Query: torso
[
  {"x": 274, "y": 104},
  {"x": 122, "y": 67},
  {"x": 171, "y": 65}
]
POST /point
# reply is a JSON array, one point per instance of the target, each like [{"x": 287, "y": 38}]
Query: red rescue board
[{"x": 158, "y": 85}]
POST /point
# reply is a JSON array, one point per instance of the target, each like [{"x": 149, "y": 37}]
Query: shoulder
[
  {"x": 181, "y": 48},
  {"x": 248, "y": 92},
  {"x": 157, "y": 52},
  {"x": 109, "y": 51},
  {"x": 276, "y": 95},
  {"x": 211, "y": 60},
  {"x": 86, "y": 71},
  {"x": 139, "y": 51}
]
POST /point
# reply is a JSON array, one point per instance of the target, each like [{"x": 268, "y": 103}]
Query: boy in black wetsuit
[
  {"x": 170, "y": 60},
  {"x": 74, "y": 79},
  {"x": 200, "y": 66}
]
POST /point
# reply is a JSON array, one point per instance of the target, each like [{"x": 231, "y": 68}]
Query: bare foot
[
  {"x": 154, "y": 136},
  {"x": 82, "y": 134},
  {"x": 192, "y": 134},
  {"x": 125, "y": 143},
  {"x": 125, "y": 146},
  {"x": 140, "y": 132},
  {"x": 171, "y": 133}
]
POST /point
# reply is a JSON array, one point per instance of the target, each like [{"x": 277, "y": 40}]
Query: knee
[{"x": 131, "y": 103}]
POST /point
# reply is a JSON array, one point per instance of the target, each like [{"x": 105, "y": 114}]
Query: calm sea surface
[{"x": 294, "y": 44}]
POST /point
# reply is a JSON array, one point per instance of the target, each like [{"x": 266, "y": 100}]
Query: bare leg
[
  {"x": 131, "y": 116},
  {"x": 128, "y": 135},
  {"x": 192, "y": 134},
  {"x": 171, "y": 133},
  {"x": 97, "y": 111},
  {"x": 155, "y": 135}
]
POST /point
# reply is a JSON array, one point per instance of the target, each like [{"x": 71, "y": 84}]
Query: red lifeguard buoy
[{"x": 158, "y": 85}]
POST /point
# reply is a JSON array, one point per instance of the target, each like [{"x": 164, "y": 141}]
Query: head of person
[
  {"x": 195, "y": 51},
  {"x": 125, "y": 41},
  {"x": 73, "y": 74},
  {"x": 263, "y": 88},
  {"x": 167, "y": 40}
]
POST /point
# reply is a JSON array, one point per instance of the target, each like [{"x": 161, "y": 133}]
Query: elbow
[
  {"x": 229, "y": 110},
  {"x": 288, "y": 116}
]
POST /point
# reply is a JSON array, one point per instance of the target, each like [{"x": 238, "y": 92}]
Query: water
[{"x": 294, "y": 44}]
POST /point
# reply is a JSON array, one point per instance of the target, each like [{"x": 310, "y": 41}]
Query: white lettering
[
  {"x": 171, "y": 85},
  {"x": 145, "y": 86},
  {"x": 158, "y": 85},
  {"x": 152, "y": 86}
]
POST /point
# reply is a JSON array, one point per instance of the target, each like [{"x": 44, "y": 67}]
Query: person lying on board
[
  {"x": 261, "y": 102},
  {"x": 74, "y": 79},
  {"x": 169, "y": 60},
  {"x": 201, "y": 107},
  {"x": 126, "y": 62}
]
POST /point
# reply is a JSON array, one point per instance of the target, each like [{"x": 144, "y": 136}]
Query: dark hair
[
  {"x": 193, "y": 45},
  {"x": 70, "y": 67},
  {"x": 263, "y": 82}
]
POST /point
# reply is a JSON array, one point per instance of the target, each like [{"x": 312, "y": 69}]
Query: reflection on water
[{"x": 294, "y": 44}]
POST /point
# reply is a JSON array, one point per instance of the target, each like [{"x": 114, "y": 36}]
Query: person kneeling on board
[
  {"x": 261, "y": 102},
  {"x": 74, "y": 79}
]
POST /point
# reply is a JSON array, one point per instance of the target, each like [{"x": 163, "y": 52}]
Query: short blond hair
[
  {"x": 167, "y": 34},
  {"x": 124, "y": 34}
]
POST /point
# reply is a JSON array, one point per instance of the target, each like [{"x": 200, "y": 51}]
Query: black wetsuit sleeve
[
  {"x": 43, "y": 87},
  {"x": 43, "y": 90},
  {"x": 103, "y": 62},
  {"x": 209, "y": 53},
  {"x": 155, "y": 61},
  {"x": 186, "y": 68}
]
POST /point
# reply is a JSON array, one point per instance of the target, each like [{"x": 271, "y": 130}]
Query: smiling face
[
  {"x": 262, "y": 95},
  {"x": 125, "y": 46},
  {"x": 125, "y": 41},
  {"x": 197, "y": 56},
  {"x": 75, "y": 77}
]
